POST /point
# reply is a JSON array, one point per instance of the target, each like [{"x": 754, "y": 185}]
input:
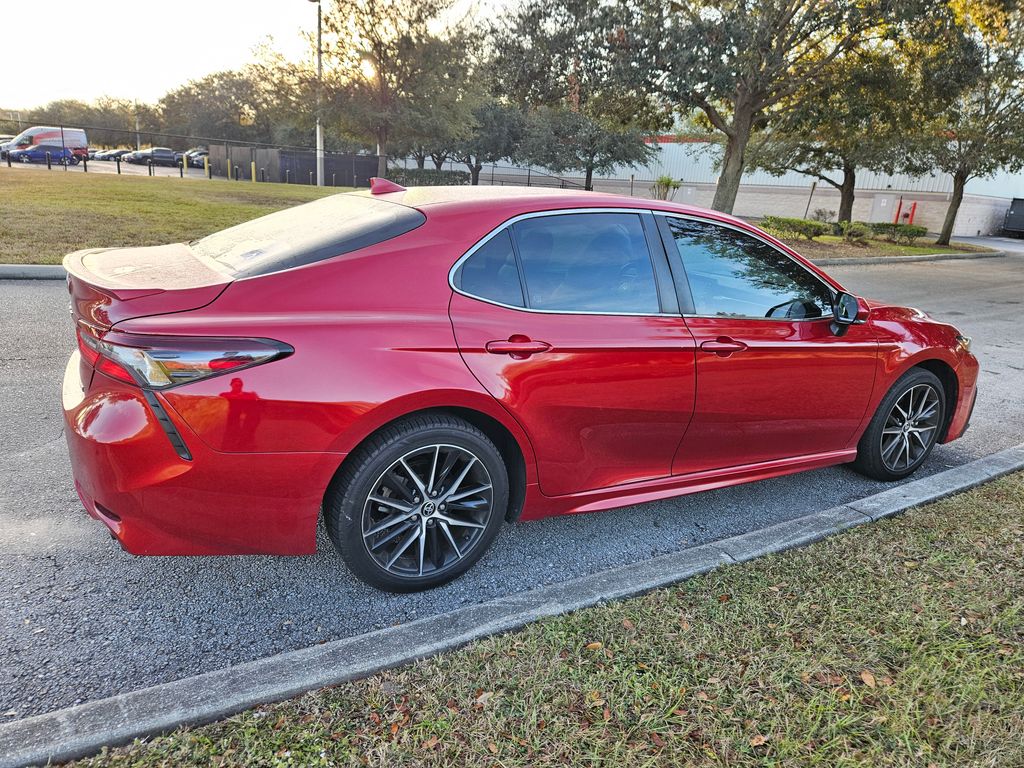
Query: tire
[
  {"x": 443, "y": 534},
  {"x": 888, "y": 450}
]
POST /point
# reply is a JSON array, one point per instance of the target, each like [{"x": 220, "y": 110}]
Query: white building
[{"x": 878, "y": 196}]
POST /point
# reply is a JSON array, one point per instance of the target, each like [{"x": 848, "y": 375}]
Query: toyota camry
[{"x": 418, "y": 367}]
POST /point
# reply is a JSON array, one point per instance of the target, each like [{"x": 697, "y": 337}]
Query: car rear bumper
[{"x": 131, "y": 478}]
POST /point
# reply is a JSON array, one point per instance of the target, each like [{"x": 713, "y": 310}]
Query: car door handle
[
  {"x": 519, "y": 347},
  {"x": 723, "y": 346}
]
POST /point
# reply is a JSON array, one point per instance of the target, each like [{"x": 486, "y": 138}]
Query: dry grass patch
[{"x": 44, "y": 215}]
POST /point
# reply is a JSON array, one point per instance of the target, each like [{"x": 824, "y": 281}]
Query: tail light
[{"x": 157, "y": 362}]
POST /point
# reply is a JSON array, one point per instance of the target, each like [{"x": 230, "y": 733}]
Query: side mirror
[{"x": 846, "y": 310}]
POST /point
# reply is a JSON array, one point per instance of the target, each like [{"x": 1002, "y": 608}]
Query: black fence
[{"x": 290, "y": 166}]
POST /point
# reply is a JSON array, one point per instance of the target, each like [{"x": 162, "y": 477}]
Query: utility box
[{"x": 1013, "y": 224}]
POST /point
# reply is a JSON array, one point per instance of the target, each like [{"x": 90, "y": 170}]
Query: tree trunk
[
  {"x": 588, "y": 183},
  {"x": 474, "y": 173},
  {"x": 421, "y": 161},
  {"x": 846, "y": 192},
  {"x": 959, "y": 182},
  {"x": 734, "y": 160}
]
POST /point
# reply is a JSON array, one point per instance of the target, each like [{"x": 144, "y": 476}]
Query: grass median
[
  {"x": 835, "y": 247},
  {"x": 43, "y": 215},
  {"x": 894, "y": 644}
]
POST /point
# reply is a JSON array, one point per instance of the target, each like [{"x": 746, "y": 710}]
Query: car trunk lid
[{"x": 108, "y": 285}]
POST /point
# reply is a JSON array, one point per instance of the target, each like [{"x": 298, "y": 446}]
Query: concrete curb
[
  {"x": 82, "y": 730},
  {"x": 32, "y": 272},
  {"x": 853, "y": 261}
]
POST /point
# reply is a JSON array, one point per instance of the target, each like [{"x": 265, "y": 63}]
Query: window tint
[
  {"x": 491, "y": 272},
  {"x": 306, "y": 233},
  {"x": 732, "y": 274},
  {"x": 587, "y": 262}
]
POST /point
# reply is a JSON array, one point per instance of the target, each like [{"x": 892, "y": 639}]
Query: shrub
[
  {"x": 855, "y": 232},
  {"x": 910, "y": 232},
  {"x": 885, "y": 229},
  {"x": 802, "y": 227},
  {"x": 664, "y": 187},
  {"x": 907, "y": 233},
  {"x": 823, "y": 214},
  {"x": 427, "y": 177}
]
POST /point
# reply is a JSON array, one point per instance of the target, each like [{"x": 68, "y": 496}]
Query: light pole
[{"x": 319, "y": 93}]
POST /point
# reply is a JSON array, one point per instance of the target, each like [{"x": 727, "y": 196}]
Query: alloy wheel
[
  {"x": 911, "y": 428},
  {"x": 427, "y": 511}
]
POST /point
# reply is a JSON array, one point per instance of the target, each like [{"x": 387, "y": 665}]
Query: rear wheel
[
  {"x": 905, "y": 428},
  {"x": 418, "y": 504}
]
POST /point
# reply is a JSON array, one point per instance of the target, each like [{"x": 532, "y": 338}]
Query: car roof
[{"x": 514, "y": 200}]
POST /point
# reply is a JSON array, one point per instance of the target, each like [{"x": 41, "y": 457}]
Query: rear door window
[
  {"x": 491, "y": 272},
  {"x": 587, "y": 262}
]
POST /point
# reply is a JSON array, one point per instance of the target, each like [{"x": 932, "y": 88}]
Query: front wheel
[
  {"x": 904, "y": 429},
  {"x": 418, "y": 504}
]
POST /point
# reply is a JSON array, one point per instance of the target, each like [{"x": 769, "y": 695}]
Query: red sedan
[{"x": 420, "y": 366}]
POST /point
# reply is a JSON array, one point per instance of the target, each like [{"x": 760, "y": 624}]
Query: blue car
[{"x": 37, "y": 154}]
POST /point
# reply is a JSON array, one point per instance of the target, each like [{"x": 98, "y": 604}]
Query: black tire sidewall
[
  {"x": 344, "y": 507},
  {"x": 869, "y": 451}
]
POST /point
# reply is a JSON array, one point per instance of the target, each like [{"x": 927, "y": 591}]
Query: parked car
[
  {"x": 197, "y": 157},
  {"x": 71, "y": 138},
  {"x": 37, "y": 154},
  {"x": 426, "y": 365},
  {"x": 154, "y": 155},
  {"x": 112, "y": 154}
]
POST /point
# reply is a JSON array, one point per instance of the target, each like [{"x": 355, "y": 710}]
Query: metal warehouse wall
[{"x": 694, "y": 162}]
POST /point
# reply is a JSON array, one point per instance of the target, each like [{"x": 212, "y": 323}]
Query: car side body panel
[{"x": 373, "y": 340}]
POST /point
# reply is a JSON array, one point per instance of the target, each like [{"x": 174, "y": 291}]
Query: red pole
[
  {"x": 913, "y": 210},
  {"x": 899, "y": 210}
]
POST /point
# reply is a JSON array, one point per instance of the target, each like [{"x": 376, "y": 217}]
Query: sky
[{"x": 138, "y": 49}]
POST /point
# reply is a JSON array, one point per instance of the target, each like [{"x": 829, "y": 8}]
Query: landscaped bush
[
  {"x": 895, "y": 233},
  {"x": 823, "y": 214},
  {"x": 855, "y": 232},
  {"x": 664, "y": 187},
  {"x": 427, "y": 177},
  {"x": 802, "y": 227}
]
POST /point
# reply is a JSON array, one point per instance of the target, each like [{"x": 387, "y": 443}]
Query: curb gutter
[
  {"x": 32, "y": 272},
  {"x": 84, "y": 729},
  {"x": 853, "y": 261}
]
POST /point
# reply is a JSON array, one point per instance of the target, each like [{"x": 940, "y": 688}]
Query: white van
[{"x": 72, "y": 138}]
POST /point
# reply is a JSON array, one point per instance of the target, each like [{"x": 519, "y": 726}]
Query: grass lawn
[
  {"x": 833, "y": 247},
  {"x": 895, "y": 644},
  {"x": 43, "y": 216}
]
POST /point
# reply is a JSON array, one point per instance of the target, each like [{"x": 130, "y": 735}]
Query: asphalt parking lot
[
  {"x": 103, "y": 166},
  {"x": 82, "y": 620}
]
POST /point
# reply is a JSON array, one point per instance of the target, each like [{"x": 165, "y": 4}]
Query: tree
[
  {"x": 740, "y": 62},
  {"x": 550, "y": 60},
  {"x": 229, "y": 105},
  {"x": 385, "y": 66},
  {"x": 857, "y": 123},
  {"x": 982, "y": 129},
  {"x": 563, "y": 140},
  {"x": 497, "y": 133}
]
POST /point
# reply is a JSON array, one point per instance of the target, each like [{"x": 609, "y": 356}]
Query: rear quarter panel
[{"x": 372, "y": 341}]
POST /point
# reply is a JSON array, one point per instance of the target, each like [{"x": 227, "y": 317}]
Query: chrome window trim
[
  {"x": 755, "y": 236},
  {"x": 538, "y": 214}
]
